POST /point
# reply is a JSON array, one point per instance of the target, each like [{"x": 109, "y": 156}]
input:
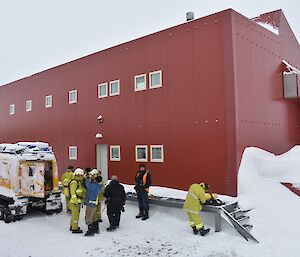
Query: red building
[{"x": 186, "y": 101}]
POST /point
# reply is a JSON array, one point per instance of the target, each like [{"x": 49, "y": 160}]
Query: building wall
[
  {"x": 263, "y": 117},
  {"x": 187, "y": 115}
]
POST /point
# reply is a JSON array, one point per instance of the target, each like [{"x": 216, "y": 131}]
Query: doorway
[{"x": 102, "y": 160}]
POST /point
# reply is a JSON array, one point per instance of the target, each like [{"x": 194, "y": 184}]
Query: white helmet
[
  {"x": 94, "y": 172},
  {"x": 79, "y": 172}
]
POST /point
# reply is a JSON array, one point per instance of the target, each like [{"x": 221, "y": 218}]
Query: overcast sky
[{"x": 40, "y": 34}]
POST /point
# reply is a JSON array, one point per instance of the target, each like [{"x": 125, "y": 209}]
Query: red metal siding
[
  {"x": 186, "y": 115},
  {"x": 264, "y": 118}
]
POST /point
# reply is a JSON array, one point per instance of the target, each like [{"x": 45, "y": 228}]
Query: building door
[
  {"x": 32, "y": 181},
  {"x": 102, "y": 160}
]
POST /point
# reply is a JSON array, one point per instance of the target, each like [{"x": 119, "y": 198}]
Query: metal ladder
[
  {"x": 238, "y": 219},
  {"x": 229, "y": 212}
]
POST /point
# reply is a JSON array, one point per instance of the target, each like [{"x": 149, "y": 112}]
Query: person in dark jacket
[
  {"x": 142, "y": 185},
  {"x": 116, "y": 198}
]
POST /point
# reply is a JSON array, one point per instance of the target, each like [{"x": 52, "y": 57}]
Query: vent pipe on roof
[{"x": 189, "y": 16}]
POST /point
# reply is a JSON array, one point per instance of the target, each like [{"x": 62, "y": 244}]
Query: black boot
[
  {"x": 96, "y": 227},
  {"x": 195, "y": 230},
  {"x": 110, "y": 228},
  {"x": 91, "y": 230},
  {"x": 146, "y": 215},
  {"x": 141, "y": 214},
  {"x": 77, "y": 231},
  {"x": 71, "y": 228},
  {"x": 204, "y": 231}
]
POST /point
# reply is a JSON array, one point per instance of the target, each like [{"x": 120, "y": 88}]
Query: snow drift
[{"x": 275, "y": 209}]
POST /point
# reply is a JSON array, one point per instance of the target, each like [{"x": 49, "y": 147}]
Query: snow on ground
[
  {"x": 274, "y": 215},
  {"x": 165, "y": 234}
]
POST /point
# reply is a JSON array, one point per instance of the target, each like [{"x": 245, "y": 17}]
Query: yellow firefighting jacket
[
  {"x": 195, "y": 198},
  {"x": 77, "y": 191}
]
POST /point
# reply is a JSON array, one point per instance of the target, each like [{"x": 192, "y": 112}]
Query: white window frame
[
  {"x": 110, "y": 152},
  {"x": 71, "y": 92},
  {"x": 155, "y": 86},
  {"x": 73, "y": 147},
  {"x": 46, "y": 102},
  {"x": 110, "y": 83},
  {"x": 136, "y": 153},
  {"x": 12, "y": 109},
  {"x": 135, "y": 84},
  {"x": 106, "y": 87},
  {"x": 162, "y": 153},
  {"x": 28, "y": 106}
]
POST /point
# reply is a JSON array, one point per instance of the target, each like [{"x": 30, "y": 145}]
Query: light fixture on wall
[
  {"x": 100, "y": 118},
  {"x": 99, "y": 135}
]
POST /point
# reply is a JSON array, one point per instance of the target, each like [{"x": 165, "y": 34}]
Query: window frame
[
  {"x": 106, "y": 86},
  {"x": 48, "y": 97},
  {"x": 135, "y": 84},
  {"x": 76, "y": 96},
  {"x": 76, "y": 152},
  {"x": 162, "y": 153},
  {"x": 110, "y": 83},
  {"x": 150, "y": 80},
  {"x": 111, "y": 147},
  {"x": 136, "y": 153},
  {"x": 12, "y": 106},
  {"x": 27, "y": 105}
]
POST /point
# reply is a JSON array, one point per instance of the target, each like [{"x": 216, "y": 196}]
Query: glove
[
  {"x": 75, "y": 200},
  {"x": 98, "y": 179},
  {"x": 215, "y": 196},
  {"x": 122, "y": 210}
]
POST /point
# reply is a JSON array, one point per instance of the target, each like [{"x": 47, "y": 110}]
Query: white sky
[{"x": 39, "y": 34}]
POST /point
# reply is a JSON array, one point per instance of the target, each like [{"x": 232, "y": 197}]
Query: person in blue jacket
[{"x": 93, "y": 187}]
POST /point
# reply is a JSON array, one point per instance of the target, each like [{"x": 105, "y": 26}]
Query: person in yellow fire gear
[
  {"x": 193, "y": 205},
  {"x": 100, "y": 199},
  {"x": 77, "y": 196},
  {"x": 66, "y": 179}
]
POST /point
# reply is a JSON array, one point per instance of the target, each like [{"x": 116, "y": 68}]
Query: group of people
[{"x": 87, "y": 187}]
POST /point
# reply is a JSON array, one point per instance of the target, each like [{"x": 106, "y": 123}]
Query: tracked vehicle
[{"x": 28, "y": 178}]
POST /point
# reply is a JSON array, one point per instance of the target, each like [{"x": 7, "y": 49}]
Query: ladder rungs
[
  {"x": 241, "y": 218},
  {"x": 247, "y": 226},
  {"x": 235, "y": 211}
]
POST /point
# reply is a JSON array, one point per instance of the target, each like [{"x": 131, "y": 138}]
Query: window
[
  {"x": 12, "y": 109},
  {"x": 73, "y": 152},
  {"x": 48, "y": 101},
  {"x": 28, "y": 106},
  {"x": 102, "y": 90},
  {"x": 114, "y": 87},
  {"x": 141, "y": 153},
  {"x": 140, "y": 82},
  {"x": 115, "y": 154},
  {"x": 73, "y": 97},
  {"x": 157, "y": 153},
  {"x": 155, "y": 79}
]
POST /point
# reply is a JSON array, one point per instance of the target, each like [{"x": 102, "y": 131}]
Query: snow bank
[
  {"x": 172, "y": 193},
  {"x": 276, "y": 209},
  {"x": 160, "y": 192},
  {"x": 261, "y": 173}
]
